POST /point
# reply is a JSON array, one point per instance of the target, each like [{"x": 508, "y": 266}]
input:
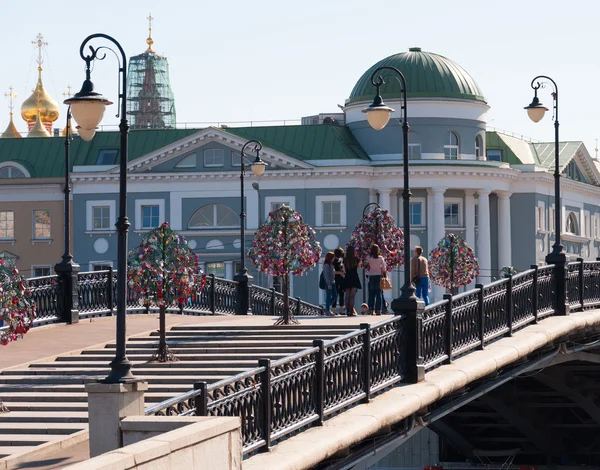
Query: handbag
[
  {"x": 322, "y": 281},
  {"x": 384, "y": 282}
]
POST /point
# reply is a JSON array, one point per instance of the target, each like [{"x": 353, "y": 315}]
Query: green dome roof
[{"x": 427, "y": 75}]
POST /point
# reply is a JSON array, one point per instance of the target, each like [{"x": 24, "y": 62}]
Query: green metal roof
[
  {"x": 44, "y": 157},
  {"x": 427, "y": 75},
  {"x": 544, "y": 152},
  {"x": 311, "y": 142}
]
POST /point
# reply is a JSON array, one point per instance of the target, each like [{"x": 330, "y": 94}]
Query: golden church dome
[
  {"x": 38, "y": 129},
  {"x": 39, "y": 101},
  {"x": 11, "y": 131}
]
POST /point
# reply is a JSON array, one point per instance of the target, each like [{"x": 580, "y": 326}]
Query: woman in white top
[{"x": 376, "y": 268}]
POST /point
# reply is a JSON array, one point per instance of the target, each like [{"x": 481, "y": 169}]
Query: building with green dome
[{"x": 492, "y": 188}]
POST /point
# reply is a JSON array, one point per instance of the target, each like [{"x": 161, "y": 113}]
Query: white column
[
  {"x": 429, "y": 214},
  {"x": 372, "y": 196},
  {"x": 439, "y": 231},
  {"x": 229, "y": 270},
  {"x": 470, "y": 217},
  {"x": 504, "y": 233},
  {"x": 484, "y": 242},
  {"x": 384, "y": 199},
  {"x": 394, "y": 205}
]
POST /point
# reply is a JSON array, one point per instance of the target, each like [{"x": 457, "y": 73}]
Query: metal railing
[{"x": 280, "y": 398}]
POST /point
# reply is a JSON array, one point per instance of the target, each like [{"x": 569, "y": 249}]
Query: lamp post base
[
  {"x": 560, "y": 259},
  {"x": 244, "y": 281},
  {"x": 68, "y": 274}
]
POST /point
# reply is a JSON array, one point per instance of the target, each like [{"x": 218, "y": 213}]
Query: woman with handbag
[
  {"x": 376, "y": 268},
  {"x": 419, "y": 273}
]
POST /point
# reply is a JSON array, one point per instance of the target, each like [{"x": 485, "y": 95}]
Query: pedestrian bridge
[
  {"x": 331, "y": 405},
  {"x": 339, "y": 402}
]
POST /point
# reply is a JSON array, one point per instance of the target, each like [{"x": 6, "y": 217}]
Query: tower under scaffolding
[{"x": 150, "y": 101}]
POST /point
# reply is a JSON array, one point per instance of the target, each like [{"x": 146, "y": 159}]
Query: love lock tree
[
  {"x": 285, "y": 245},
  {"x": 164, "y": 271},
  {"x": 452, "y": 263},
  {"x": 17, "y": 307},
  {"x": 378, "y": 227}
]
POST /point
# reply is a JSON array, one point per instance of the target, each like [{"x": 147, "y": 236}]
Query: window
[
  {"x": 277, "y": 205},
  {"x": 540, "y": 221},
  {"x": 101, "y": 217},
  {"x": 100, "y": 266},
  {"x": 218, "y": 269},
  {"x": 107, "y": 156},
  {"x": 595, "y": 227},
  {"x": 494, "y": 155},
  {"x": 214, "y": 157},
  {"x": 476, "y": 213},
  {"x": 187, "y": 162},
  {"x": 149, "y": 213},
  {"x": 41, "y": 224},
  {"x": 39, "y": 271},
  {"x": 414, "y": 151},
  {"x": 7, "y": 225},
  {"x": 332, "y": 212},
  {"x": 452, "y": 214},
  {"x": 9, "y": 171},
  {"x": 275, "y": 202},
  {"x": 416, "y": 213},
  {"x": 478, "y": 147},
  {"x": 150, "y": 217},
  {"x": 214, "y": 215},
  {"x": 451, "y": 148},
  {"x": 572, "y": 224},
  {"x": 236, "y": 159}
]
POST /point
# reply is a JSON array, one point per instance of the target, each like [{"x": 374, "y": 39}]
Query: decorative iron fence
[
  {"x": 45, "y": 292},
  {"x": 278, "y": 399}
]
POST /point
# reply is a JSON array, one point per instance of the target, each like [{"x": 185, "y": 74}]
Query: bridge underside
[
  {"x": 550, "y": 415},
  {"x": 543, "y": 410}
]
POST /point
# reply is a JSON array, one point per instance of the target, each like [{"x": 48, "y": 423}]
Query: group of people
[{"x": 341, "y": 280}]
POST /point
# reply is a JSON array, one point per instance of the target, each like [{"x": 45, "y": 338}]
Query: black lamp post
[
  {"x": 88, "y": 108},
  {"x": 378, "y": 115},
  {"x": 67, "y": 269},
  {"x": 536, "y": 111},
  {"x": 558, "y": 256},
  {"x": 243, "y": 278}
]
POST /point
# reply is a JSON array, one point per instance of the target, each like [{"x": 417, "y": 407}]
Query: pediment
[
  {"x": 581, "y": 168},
  {"x": 153, "y": 161}
]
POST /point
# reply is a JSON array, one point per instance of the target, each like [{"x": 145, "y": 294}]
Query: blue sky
[{"x": 273, "y": 60}]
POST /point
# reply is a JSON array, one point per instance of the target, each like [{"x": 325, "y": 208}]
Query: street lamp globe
[
  {"x": 87, "y": 108},
  {"x": 378, "y": 113},
  {"x": 258, "y": 166},
  {"x": 536, "y": 110}
]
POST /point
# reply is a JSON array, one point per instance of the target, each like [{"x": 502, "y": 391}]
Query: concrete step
[
  {"x": 5, "y": 451},
  {"x": 245, "y": 336},
  {"x": 220, "y": 343},
  {"x": 38, "y": 428},
  {"x": 86, "y": 362},
  {"x": 283, "y": 329},
  {"x": 213, "y": 348},
  {"x": 46, "y": 417},
  {"x": 68, "y": 397},
  {"x": 18, "y": 440},
  {"x": 43, "y": 406},
  {"x": 137, "y": 357}
]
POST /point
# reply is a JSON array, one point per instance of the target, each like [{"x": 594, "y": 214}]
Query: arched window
[
  {"x": 572, "y": 224},
  {"x": 13, "y": 171},
  {"x": 478, "y": 147},
  {"x": 213, "y": 216},
  {"x": 451, "y": 147}
]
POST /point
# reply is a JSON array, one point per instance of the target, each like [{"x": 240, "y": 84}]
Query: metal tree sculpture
[
  {"x": 285, "y": 245},
  {"x": 380, "y": 228},
  {"x": 452, "y": 263},
  {"x": 17, "y": 307},
  {"x": 163, "y": 270}
]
